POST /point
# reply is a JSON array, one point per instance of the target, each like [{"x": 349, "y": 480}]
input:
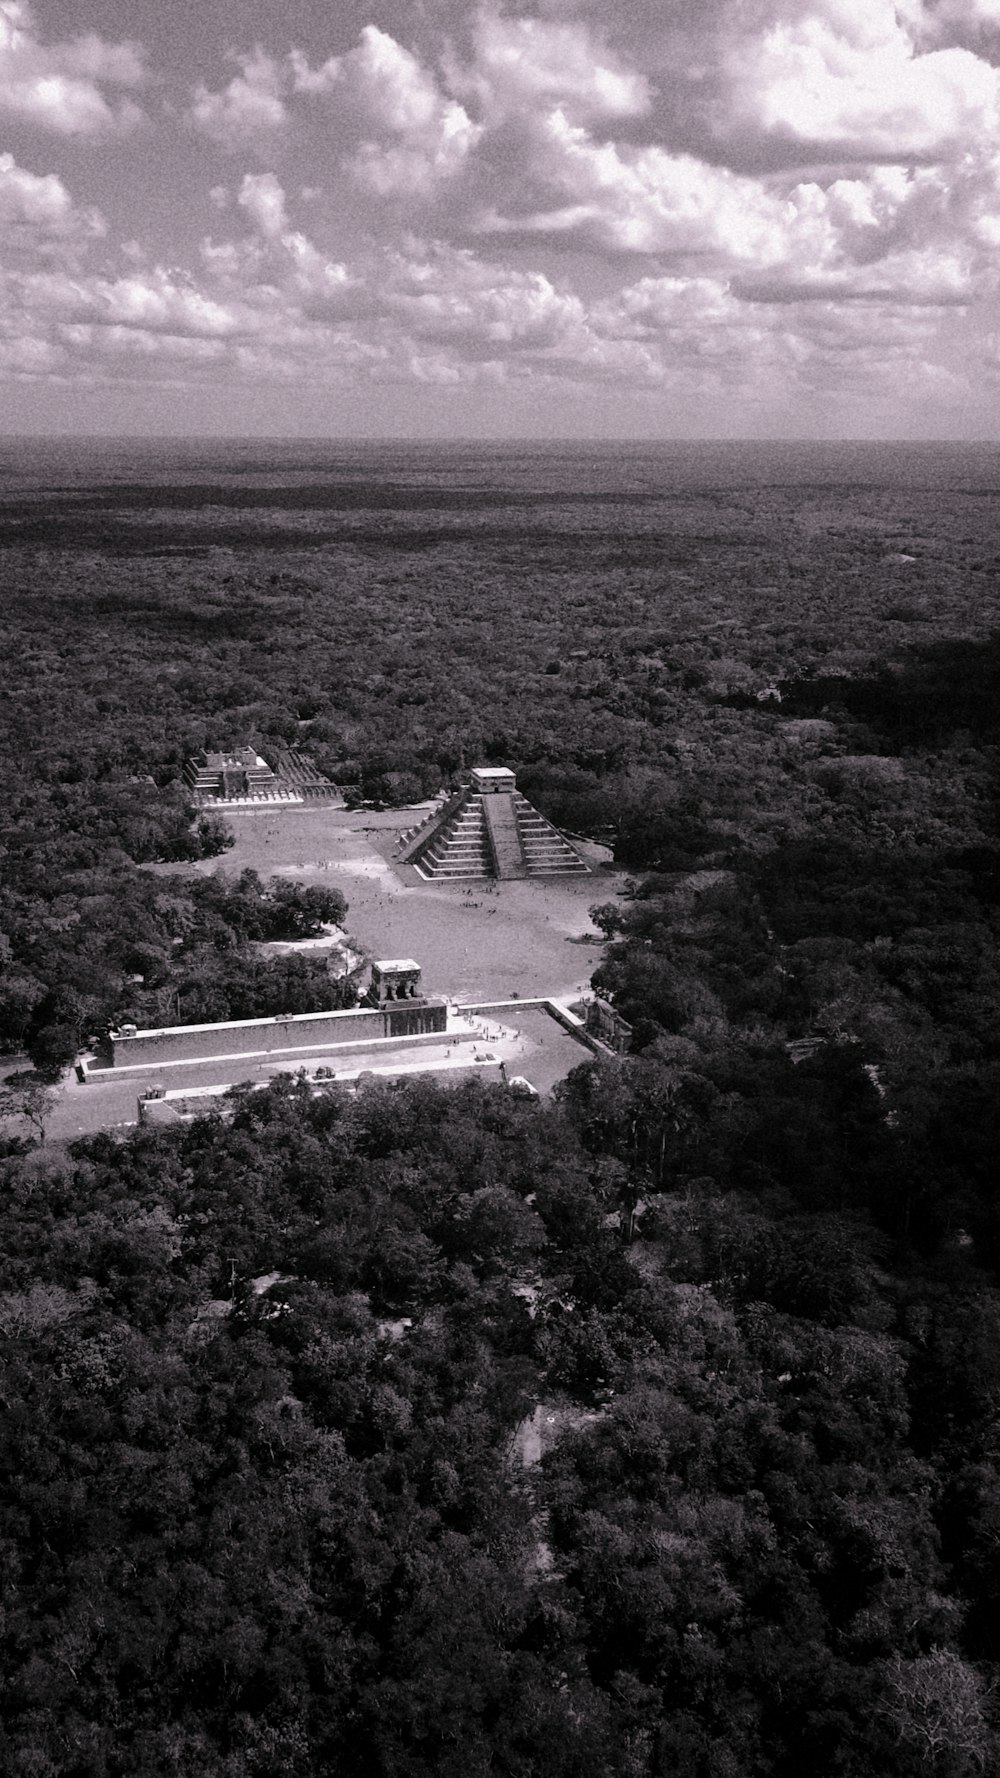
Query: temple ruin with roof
[
  {"x": 244, "y": 777},
  {"x": 489, "y": 829}
]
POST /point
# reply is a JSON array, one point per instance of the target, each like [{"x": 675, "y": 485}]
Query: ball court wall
[{"x": 303, "y": 1031}]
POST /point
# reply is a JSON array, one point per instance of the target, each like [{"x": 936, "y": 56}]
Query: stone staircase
[
  {"x": 546, "y": 852},
  {"x": 459, "y": 847},
  {"x": 253, "y": 799},
  {"x": 493, "y": 834},
  {"x": 504, "y": 836},
  {"x": 412, "y": 842}
]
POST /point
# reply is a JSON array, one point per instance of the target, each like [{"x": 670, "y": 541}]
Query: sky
[{"x": 426, "y": 219}]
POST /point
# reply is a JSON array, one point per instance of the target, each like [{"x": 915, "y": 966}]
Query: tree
[
  {"x": 938, "y": 1706},
  {"x": 52, "y": 1047},
  {"x": 27, "y": 1097},
  {"x": 608, "y": 918},
  {"x": 19, "y": 995}
]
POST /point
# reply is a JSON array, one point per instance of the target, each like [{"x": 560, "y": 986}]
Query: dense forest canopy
[{"x": 649, "y": 1430}]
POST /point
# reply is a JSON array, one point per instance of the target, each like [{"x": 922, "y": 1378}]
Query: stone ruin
[{"x": 489, "y": 829}]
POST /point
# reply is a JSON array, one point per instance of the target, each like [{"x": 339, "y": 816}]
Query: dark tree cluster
[
  {"x": 119, "y": 943},
  {"x": 270, "y": 1504}
]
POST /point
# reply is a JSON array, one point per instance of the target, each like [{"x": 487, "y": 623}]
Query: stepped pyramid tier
[
  {"x": 489, "y": 829},
  {"x": 222, "y": 776}
]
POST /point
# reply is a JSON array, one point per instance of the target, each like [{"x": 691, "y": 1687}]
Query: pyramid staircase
[{"x": 489, "y": 830}]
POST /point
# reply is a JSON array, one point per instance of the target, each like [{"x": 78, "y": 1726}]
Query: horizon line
[{"x": 472, "y": 438}]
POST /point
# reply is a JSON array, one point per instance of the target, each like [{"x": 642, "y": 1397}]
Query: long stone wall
[{"x": 301, "y": 1031}]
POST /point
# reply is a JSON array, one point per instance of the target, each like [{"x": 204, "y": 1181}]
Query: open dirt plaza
[{"x": 476, "y": 942}]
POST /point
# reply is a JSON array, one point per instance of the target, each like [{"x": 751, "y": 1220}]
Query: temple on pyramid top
[
  {"x": 493, "y": 778},
  {"x": 488, "y": 829}
]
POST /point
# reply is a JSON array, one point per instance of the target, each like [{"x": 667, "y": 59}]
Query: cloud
[
  {"x": 263, "y": 199},
  {"x": 58, "y": 86},
  {"x": 276, "y": 266},
  {"x": 26, "y": 356},
  {"x": 39, "y": 222},
  {"x": 154, "y": 301},
  {"x": 446, "y": 293},
  {"x": 41, "y": 204},
  {"x": 389, "y": 84},
  {"x": 249, "y": 113},
  {"x": 628, "y": 199},
  {"x": 771, "y": 83},
  {"x": 415, "y": 134},
  {"x": 116, "y": 342},
  {"x": 707, "y": 340},
  {"x": 272, "y": 308},
  {"x": 945, "y": 18},
  {"x": 323, "y": 287},
  {"x": 924, "y": 234},
  {"x": 855, "y": 85},
  {"x": 531, "y": 64},
  {"x": 425, "y": 309},
  {"x": 72, "y": 325}
]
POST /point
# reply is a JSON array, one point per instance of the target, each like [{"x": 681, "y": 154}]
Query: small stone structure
[
  {"x": 489, "y": 829},
  {"x": 493, "y": 780},
  {"x": 395, "y": 991},
  {"x": 397, "y": 994},
  {"x": 608, "y": 1026},
  {"x": 152, "y": 1107},
  {"x": 395, "y": 978}
]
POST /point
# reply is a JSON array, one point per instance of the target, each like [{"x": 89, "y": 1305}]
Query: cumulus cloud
[
  {"x": 322, "y": 286},
  {"x": 58, "y": 86},
  {"x": 39, "y": 222},
  {"x": 155, "y": 301},
  {"x": 272, "y": 307},
  {"x": 40, "y": 203},
  {"x": 528, "y": 63},
  {"x": 415, "y": 134},
  {"x": 72, "y": 325},
  {"x": 631, "y": 199},
  {"x": 854, "y": 84},
  {"x": 248, "y": 113},
  {"x": 441, "y": 292},
  {"x": 26, "y": 356},
  {"x": 275, "y": 267},
  {"x": 115, "y": 342}
]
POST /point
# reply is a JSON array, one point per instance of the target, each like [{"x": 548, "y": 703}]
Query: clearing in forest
[{"x": 474, "y": 941}]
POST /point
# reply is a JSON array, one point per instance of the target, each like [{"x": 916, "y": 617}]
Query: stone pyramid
[{"x": 489, "y": 829}]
